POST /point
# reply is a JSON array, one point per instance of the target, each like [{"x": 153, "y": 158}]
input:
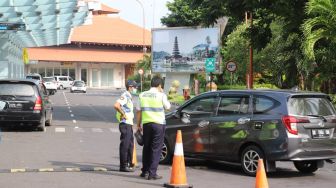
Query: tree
[
  {"x": 320, "y": 26},
  {"x": 182, "y": 14}
]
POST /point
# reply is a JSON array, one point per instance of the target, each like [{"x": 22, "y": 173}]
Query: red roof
[
  {"x": 110, "y": 30},
  {"x": 83, "y": 55}
]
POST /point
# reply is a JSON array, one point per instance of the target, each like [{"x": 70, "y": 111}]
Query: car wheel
[
  {"x": 249, "y": 159},
  {"x": 306, "y": 167},
  {"x": 41, "y": 126},
  {"x": 49, "y": 121},
  {"x": 61, "y": 87},
  {"x": 166, "y": 153}
]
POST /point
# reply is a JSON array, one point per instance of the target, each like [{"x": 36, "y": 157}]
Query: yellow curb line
[
  {"x": 100, "y": 169},
  {"x": 72, "y": 170},
  {"x": 15, "y": 170},
  {"x": 46, "y": 170}
]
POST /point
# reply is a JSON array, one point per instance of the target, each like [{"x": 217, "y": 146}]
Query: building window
[
  {"x": 57, "y": 72},
  {"x": 42, "y": 72},
  {"x": 50, "y": 72},
  {"x": 72, "y": 73},
  {"x": 64, "y": 72}
]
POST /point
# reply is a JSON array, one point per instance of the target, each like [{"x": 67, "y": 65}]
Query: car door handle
[
  {"x": 243, "y": 120},
  {"x": 203, "y": 123}
]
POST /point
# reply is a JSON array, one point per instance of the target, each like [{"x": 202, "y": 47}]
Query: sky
[{"x": 131, "y": 11}]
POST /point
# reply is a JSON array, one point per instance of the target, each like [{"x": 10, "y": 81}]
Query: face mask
[{"x": 134, "y": 91}]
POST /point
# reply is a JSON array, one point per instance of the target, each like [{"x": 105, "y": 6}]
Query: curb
[{"x": 62, "y": 169}]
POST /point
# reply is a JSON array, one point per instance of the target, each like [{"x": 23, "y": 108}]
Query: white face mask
[{"x": 134, "y": 91}]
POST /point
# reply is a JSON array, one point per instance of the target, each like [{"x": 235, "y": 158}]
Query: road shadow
[
  {"x": 112, "y": 170},
  {"x": 17, "y": 128}
]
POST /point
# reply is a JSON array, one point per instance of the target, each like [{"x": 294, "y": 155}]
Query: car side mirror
[
  {"x": 177, "y": 114},
  {"x": 185, "y": 118}
]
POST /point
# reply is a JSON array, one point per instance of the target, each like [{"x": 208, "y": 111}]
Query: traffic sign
[
  {"x": 210, "y": 64},
  {"x": 231, "y": 66},
  {"x": 141, "y": 71},
  {"x": 4, "y": 26}
]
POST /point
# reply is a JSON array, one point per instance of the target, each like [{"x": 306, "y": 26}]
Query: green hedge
[{"x": 255, "y": 86}]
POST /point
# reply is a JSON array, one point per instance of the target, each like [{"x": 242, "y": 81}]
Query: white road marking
[
  {"x": 69, "y": 107},
  {"x": 114, "y": 130},
  {"x": 60, "y": 129},
  {"x": 78, "y": 130},
  {"x": 97, "y": 130},
  {"x": 71, "y": 115},
  {"x": 70, "y": 111},
  {"x": 74, "y": 121}
]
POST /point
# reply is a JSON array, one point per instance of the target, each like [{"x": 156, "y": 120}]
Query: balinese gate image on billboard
[{"x": 184, "y": 50}]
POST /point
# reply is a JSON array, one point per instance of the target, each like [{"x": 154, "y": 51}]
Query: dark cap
[{"x": 131, "y": 83}]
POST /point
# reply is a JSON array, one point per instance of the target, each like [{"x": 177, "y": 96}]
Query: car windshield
[
  {"x": 79, "y": 84},
  {"x": 307, "y": 105},
  {"x": 48, "y": 79},
  {"x": 33, "y": 77},
  {"x": 16, "y": 89}
]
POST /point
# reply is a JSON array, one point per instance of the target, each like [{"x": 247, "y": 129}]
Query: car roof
[
  {"x": 28, "y": 81},
  {"x": 270, "y": 91}
]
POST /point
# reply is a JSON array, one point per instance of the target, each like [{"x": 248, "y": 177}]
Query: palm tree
[{"x": 321, "y": 25}]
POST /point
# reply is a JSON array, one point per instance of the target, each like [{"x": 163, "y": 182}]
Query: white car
[
  {"x": 50, "y": 84},
  {"x": 78, "y": 86},
  {"x": 63, "y": 82}
]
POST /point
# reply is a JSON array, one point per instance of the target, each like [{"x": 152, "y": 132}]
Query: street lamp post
[
  {"x": 144, "y": 49},
  {"x": 143, "y": 27}
]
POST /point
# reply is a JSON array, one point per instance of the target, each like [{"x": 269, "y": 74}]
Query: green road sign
[{"x": 210, "y": 64}]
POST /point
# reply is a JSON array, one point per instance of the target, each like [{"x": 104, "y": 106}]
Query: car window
[
  {"x": 203, "y": 105},
  {"x": 33, "y": 77},
  {"x": 310, "y": 106},
  {"x": 70, "y": 79},
  {"x": 233, "y": 105},
  {"x": 63, "y": 79},
  {"x": 48, "y": 79},
  {"x": 263, "y": 104},
  {"x": 16, "y": 89}
]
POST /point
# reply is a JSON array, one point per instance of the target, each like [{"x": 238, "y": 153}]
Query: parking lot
[{"x": 80, "y": 149}]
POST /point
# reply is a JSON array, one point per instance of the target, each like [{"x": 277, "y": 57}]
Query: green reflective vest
[
  {"x": 128, "y": 110},
  {"x": 152, "y": 110}
]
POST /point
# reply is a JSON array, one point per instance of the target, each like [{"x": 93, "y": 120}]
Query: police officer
[
  {"x": 125, "y": 116},
  {"x": 150, "y": 113}
]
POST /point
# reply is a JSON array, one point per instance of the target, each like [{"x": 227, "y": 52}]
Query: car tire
[
  {"x": 306, "y": 167},
  {"x": 49, "y": 121},
  {"x": 166, "y": 153},
  {"x": 249, "y": 159},
  {"x": 41, "y": 126}
]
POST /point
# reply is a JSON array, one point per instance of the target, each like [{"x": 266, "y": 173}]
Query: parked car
[
  {"x": 50, "y": 84},
  {"x": 243, "y": 126},
  {"x": 78, "y": 86},
  {"x": 25, "y": 102},
  {"x": 63, "y": 82},
  {"x": 34, "y": 76}
]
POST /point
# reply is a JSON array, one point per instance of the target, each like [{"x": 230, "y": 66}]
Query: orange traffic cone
[
  {"x": 178, "y": 178},
  {"x": 261, "y": 179},
  {"x": 134, "y": 157}
]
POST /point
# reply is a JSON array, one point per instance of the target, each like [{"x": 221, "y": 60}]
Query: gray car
[{"x": 245, "y": 125}]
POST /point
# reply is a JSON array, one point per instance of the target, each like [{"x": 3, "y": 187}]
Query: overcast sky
[{"x": 131, "y": 11}]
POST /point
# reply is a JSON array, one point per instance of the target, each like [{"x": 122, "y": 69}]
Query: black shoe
[
  {"x": 126, "y": 169},
  {"x": 156, "y": 177},
  {"x": 144, "y": 175}
]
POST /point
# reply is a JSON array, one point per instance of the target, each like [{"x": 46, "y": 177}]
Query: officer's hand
[
  {"x": 123, "y": 116},
  {"x": 139, "y": 128}
]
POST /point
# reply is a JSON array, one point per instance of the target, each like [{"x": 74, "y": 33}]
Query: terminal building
[
  {"x": 35, "y": 23},
  {"x": 103, "y": 54}
]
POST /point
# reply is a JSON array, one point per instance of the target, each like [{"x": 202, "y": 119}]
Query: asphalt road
[{"x": 80, "y": 149}]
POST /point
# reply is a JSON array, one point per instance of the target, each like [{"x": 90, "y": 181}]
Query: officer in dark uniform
[
  {"x": 125, "y": 116},
  {"x": 150, "y": 113}
]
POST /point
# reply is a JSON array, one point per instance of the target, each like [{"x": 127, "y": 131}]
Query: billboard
[{"x": 184, "y": 50}]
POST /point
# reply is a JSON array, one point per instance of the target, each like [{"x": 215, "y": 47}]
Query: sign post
[
  {"x": 141, "y": 72},
  {"x": 210, "y": 67},
  {"x": 231, "y": 66}
]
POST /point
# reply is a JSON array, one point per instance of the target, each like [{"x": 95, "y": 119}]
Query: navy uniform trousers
[
  {"x": 126, "y": 144},
  {"x": 153, "y": 137}
]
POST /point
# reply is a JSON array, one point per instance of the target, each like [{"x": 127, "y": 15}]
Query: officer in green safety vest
[
  {"x": 125, "y": 116},
  {"x": 151, "y": 114}
]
